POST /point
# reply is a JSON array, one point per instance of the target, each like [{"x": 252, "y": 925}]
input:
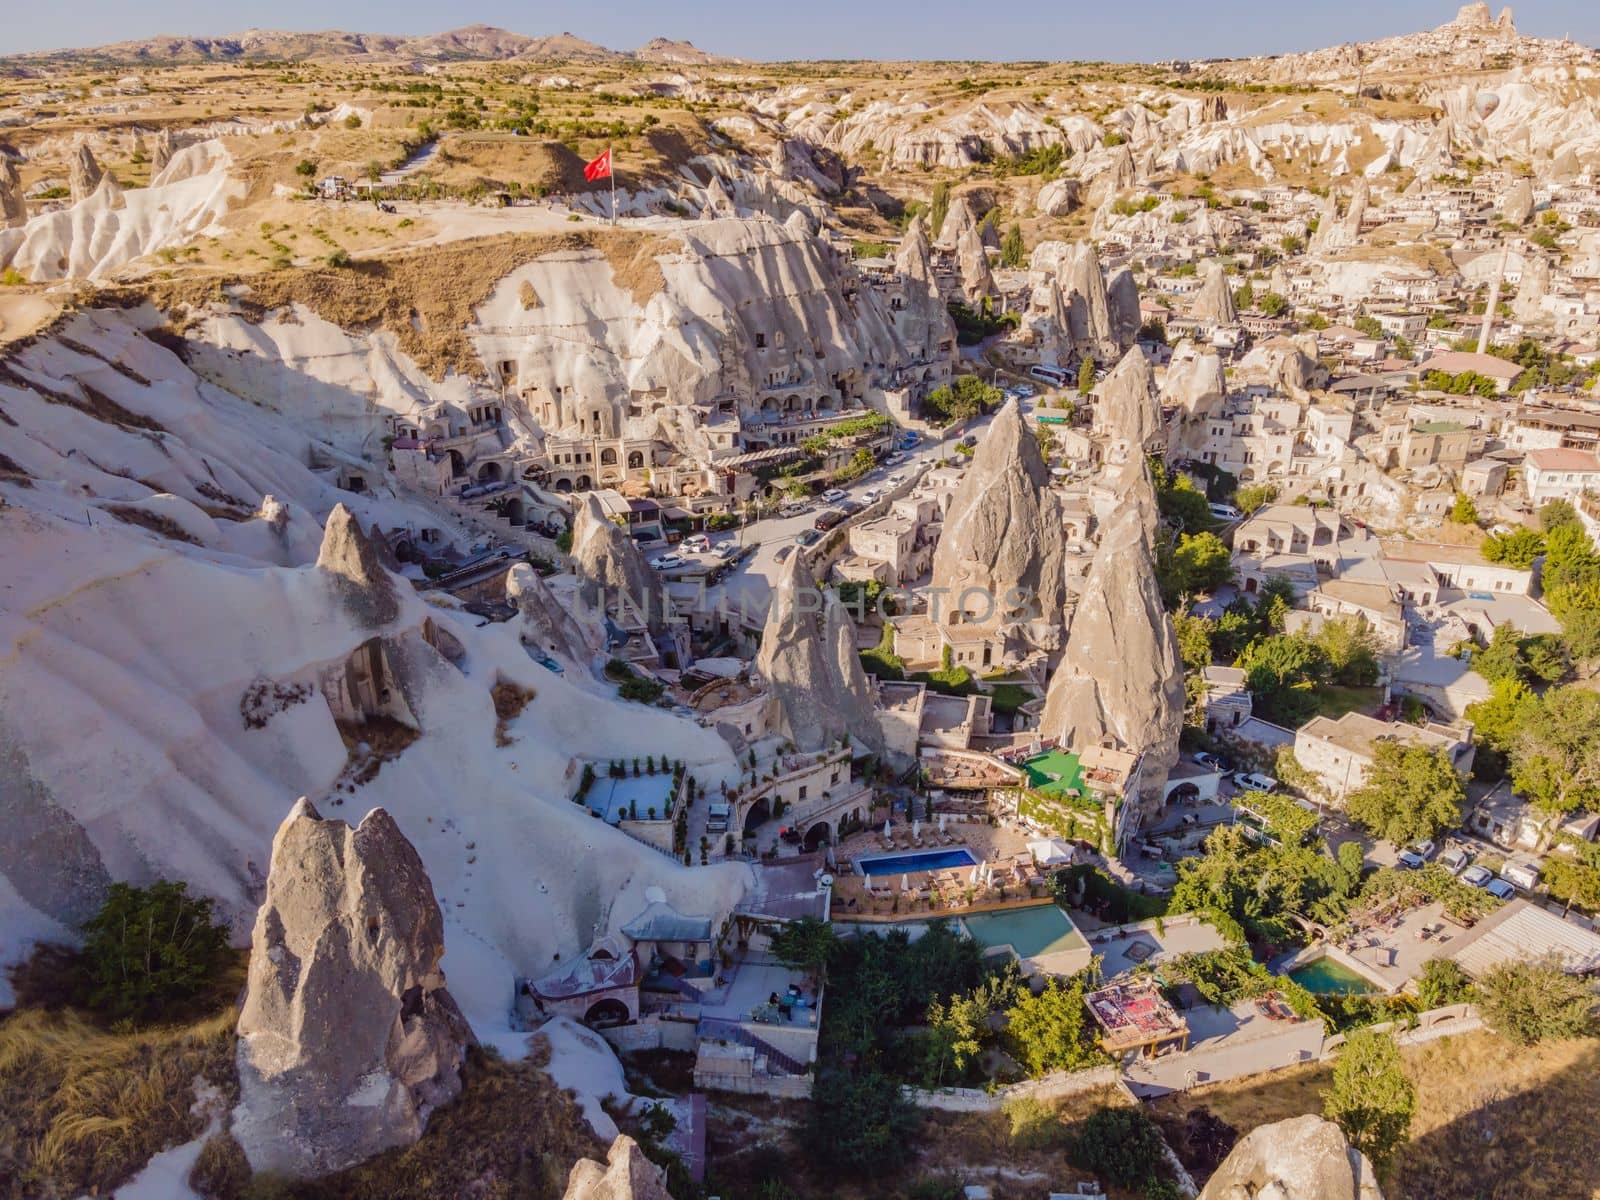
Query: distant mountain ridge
[{"x": 470, "y": 42}]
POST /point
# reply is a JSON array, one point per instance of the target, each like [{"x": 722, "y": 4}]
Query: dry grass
[
  {"x": 509, "y": 701},
  {"x": 154, "y": 522},
  {"x": 85, "y": 1107},
  {"x": 1494, "y": 1121},
  {"x": 428, "y": 297}
]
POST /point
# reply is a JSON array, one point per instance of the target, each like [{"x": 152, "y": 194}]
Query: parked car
[
  {"x": 1224, "y": 512},
  {"x": 783, "y": 553},
  {"x": 697, "y": 543},
  {"x": 1415, "y": 857},
  {"x": 726, "y": 551},
  {"x": 1208, "y": 760},
  {"x": 833, "y": 495},
  {"x": 1252, "y": 781},
  {"x": 667, "y": 562},
  {"x": 1477, "y": 876},
  {"x": 806, "y": 536},
  {"x": 1024, "y": 389},
  {"x": 1501, "y": 890},
  {"x": 872, "y": 495},
  {"x": 1455, "y": 859},
  {"x": 827, "y": 519},
  {"x": 850, "y": 507},
  {"x": 895, "y": 459}
]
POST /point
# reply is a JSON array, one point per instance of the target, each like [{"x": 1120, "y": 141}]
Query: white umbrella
[
  {"x": 886, "y": 829},
  {"x": 905, "y": 883},
  {"x": 972, "y": 876},
  {"x": 916, "y": 827},
  {"x": 942, "y": 816}
]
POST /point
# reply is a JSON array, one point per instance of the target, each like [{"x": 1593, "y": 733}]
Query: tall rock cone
[
  {"x": 1214, "y": 301},
  {"x": 355, "y": 566},
  {"x": 808, "y": 659},
  {"x": 1532, "y": 288},
  {"x": 1126, "y": 409},
  {"x": 348, "y": 1040},
  {"x": 1002, "y": 534},
  {"x": 922, "y": 320},
  {"x": 161, "y": 152},
  {"x": 547, "y": 624},
  {"x": 1120, "y": 678},
  {"x": 1122, "y": 303},
  {"x": 958, "y": 220},
  {"x": 627, "y": 1175},
  {"x": 1518, "y": 204},
  {"x": 1303, "y": 1158},
  {"x": 972, "y": 259},
  {"x": 1195, "y": 387},
  {"x": 1091, "y": 308},
  {"x": 612, "y": 568},
  {"x": 83, "y": 173},
  {"x": 13, "y": 208}
]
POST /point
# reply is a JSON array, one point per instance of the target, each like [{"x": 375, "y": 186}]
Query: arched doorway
[
  {"x": 583, "y": 484},
  {"x": 514, "y": 511},
  {"x": 603, "y": 1014},
  {"x": 758, "y": 814},
  {"x": 490, "y": 472},
  {"x": 458, "y": 465},
  {"x": 608, "y": 457},
  {"x": 563, "y": 485},
  {"x": 817, "y": 836},
  {"x": 635, "y": 461}
]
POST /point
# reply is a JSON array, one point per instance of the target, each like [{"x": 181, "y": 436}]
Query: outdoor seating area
[
  {"x": 1135, "y": 1016},
  {"x": 985, "y": 866}
]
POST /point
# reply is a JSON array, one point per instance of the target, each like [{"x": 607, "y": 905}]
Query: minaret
[{"x": 1494, "y": 301}]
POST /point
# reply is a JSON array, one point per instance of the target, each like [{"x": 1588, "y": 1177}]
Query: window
[{"x": 803, "y": 791}]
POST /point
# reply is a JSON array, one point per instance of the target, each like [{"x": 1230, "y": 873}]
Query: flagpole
[{"x": 611, "y": 164}]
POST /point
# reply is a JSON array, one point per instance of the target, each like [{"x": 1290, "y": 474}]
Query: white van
[
  {"x": 1054, "y": 376},
  {"x": 1224, "y": 512},
  {"x": 1521, "y": 873},
  {"x": 1254, "y": 782}
]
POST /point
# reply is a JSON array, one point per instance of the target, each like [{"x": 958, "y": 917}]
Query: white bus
[{"x": 1054, "y": 376}]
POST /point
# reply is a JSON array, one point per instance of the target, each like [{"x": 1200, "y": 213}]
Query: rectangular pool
[
  {"x": 1329, "y": 978},
  {"x": 1041, "y": 929},
  {"x": 916, "y": 860}
]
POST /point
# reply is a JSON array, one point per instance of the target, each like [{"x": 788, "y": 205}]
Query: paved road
[{"x": 750, "y": 584}]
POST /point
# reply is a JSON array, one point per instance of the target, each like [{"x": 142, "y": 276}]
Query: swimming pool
[
  {"x": 1041, "y": 929},
  {"x": 916, "y": 860},
  {"x": 1329, "y": 978}
]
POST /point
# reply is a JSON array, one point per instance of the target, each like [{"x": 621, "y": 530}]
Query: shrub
[
  {"x": 1529, "y": 1002},
  {"x": 149, "y": 950},
  {"x": 1119, "y": 1144},
  {"x": 1370, "y": 1097}
]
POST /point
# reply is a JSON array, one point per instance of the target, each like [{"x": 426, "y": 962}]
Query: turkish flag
[{"x": 600, "y": 168}]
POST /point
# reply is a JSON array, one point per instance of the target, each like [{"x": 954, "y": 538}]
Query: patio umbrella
[
  {"x": 973, "y": 876},
  {"x": 905, "y": 882},
  {"x": 916, "y": 827},
  {"x": 886, "y": 829},
  {"x": 942, "y": 816}
]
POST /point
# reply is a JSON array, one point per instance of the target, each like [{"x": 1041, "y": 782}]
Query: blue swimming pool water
[{"x": 919, "y": 860}]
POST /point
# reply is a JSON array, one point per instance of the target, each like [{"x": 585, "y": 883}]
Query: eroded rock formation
[
  {"x": 355, "y": 566},
  {"x": 1120, "y": 678},
  {"x": 1002, "y": 532},
  {"x": 1126, "y": 408},
  {"x": 627, "y": 1175},
  {"x": 348, "y": 1039},
  {"x": 1304, "y": 1158},
  {"x": 921, "y": 321},
  {"x": 1214, "y": 301},
  {"x": 972, "y": 260},
  {"x": 83, "y": 173},
  {"x": 1089, "y": 305},
  {"x": 13, "y": 209},
  {"x": 612, "y": 568},
  {"x": 547, "y": 626},
  {"x": 1518, "y": 206},
  {"x": 1122, "y": 303},
  {"x": 808, "y": 659}
]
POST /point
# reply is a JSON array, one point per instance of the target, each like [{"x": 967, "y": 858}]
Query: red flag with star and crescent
[{"x": 600, "y": 168}]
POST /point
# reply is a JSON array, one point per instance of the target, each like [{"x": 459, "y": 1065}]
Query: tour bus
[{"x": 1054, "y": 376}]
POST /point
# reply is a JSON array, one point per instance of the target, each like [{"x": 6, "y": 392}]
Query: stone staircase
[{"x": 730, "y": 1031}]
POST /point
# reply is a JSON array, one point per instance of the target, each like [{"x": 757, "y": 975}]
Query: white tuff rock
[
  {"x": 627, "y": 1175},
  {"x": 1304, "y": 1158},
  {"x": 348, "y": 1040},
  {"x": 611, "y": 566},
  {"x": 1214, "y": 301}
]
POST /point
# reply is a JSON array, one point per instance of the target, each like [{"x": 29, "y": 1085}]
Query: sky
[{"x": 872, "y": 29}]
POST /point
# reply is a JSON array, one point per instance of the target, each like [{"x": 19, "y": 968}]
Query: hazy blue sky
[{"x": 759, "y": 29}]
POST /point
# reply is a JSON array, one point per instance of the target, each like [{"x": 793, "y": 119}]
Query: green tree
[
  {"x": 1244, "y": 295},
  {"x": 1370, "y": 1097},
  {"x": 1279, "y": 671},
  {"x": 1573, "y": 876},
  {"x": 1464, "y": 511},
  {"x": 1368, "y": 325},
  {"x": 305, "y": 168},
  {"x": 1502, "y": 658},
  {"x": 1351, "y": 649},
  {"x": 1203, "y": 562},
  {"x": 1050, "y": 1031},
  {"x": 956, "y": 1033},
  {"x": 1121, "y": 1145},
  {"x": 1252, "y": 497},
  {"x": 1274, "y": 305},
  {"x": 1410, "y": 793},
  {"x": 1086, "y": 376},
  {"x": 151, "y": 949},
  {"x": 1442, "y": 982},
  {"x": 939, "y": 208},
  {"x": 1528, "y": 1002},
  {"x": 858, "y": 1121},
  {"x": 1558, "y": 513},
  {"x": 1013, "y": 251},
  {"x": 1553, "y": 757},
  {"x": 1496, "y": 723},
  {"x": 806, "y": 945},
  {"x": 965, "y": 397},
  {"x": 1515, "y": 549}
]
